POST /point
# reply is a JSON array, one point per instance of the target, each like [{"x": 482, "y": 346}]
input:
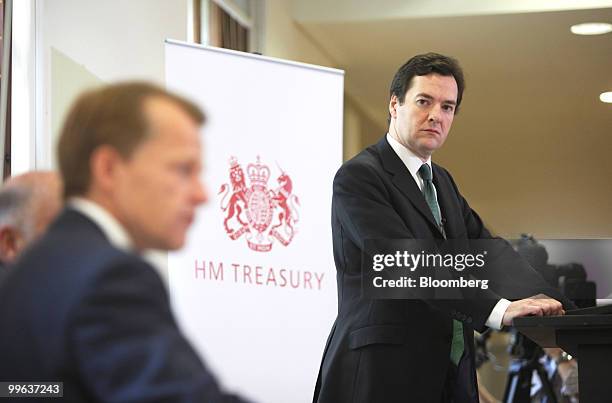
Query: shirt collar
[
  {"x": 112, "y": 229},
  {"x": 410, "y": 160}
]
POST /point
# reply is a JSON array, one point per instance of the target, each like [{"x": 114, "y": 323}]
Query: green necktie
[{"x": 429, "y": 192}]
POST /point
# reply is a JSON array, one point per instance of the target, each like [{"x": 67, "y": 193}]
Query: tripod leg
[
  {"x": 546, "y": 385},
  {"x": 518, "y": 389}
]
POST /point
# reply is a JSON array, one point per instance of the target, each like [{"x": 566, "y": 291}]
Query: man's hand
[{"x": 538, "y": 305}]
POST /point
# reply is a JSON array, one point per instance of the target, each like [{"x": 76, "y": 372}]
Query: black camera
[{"x": 569, "y": 278}]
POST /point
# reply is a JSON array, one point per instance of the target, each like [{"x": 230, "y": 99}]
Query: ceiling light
[
  {"x": 606, "y": 97},
  {"x": 591, "y": 28}
]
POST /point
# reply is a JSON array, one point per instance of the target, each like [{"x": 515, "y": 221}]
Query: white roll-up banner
[{"x": 254, "y": 289}]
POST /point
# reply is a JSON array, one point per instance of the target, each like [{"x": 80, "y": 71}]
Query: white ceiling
[
  {"x": 367, "y": 10},
  {"x": 511, "y": 60}
]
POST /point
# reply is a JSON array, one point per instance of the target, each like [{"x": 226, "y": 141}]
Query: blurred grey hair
[{"x": 14, "y": 207}]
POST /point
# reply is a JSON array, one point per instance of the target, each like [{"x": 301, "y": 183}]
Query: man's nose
[
  {"x": 200, "y": 193},
  {"x": 434, "y": 115}
]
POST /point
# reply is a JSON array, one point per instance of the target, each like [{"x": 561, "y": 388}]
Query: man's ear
[
  {"x": 104, "y": 164},
  {"x": 393, "y": 105},
  {"x": 11, "y": 243}
]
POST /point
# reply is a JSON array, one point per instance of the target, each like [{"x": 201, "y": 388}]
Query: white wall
[
  {"x": 110, "y": 39},
  {"x": 61, "y": 47},
  {"x": 23, "y": 86},
  {"x": 114, "y": 39},
  {"x": 282, "y": 37}
]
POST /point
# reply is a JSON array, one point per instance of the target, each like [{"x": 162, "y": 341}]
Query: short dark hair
[
  {"x": 111, "y": 115},
  {"x": 421, "y": 65}
]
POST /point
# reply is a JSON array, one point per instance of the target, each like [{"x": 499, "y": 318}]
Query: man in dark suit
[
  {"x": 82, "y": 306},
  {"x": 411, "y": 350}
]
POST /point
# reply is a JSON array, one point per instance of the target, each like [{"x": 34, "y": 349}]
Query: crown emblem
[
  {"x": 258, "y": 173},
  {"x": 261, "y": 214}
]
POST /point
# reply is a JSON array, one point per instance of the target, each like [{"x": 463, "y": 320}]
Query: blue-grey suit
[{"x": 78, "y": 310}]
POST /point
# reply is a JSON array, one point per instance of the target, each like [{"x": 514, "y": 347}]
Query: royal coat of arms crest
[{"x": 261, "y": 214}]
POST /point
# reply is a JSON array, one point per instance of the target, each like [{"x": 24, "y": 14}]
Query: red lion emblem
[{"x": 253, "y": 210}]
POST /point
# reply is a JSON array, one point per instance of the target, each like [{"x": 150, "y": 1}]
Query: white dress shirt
[
  {"x": 413, "y": 164},
  {"x": 118, "y": 236}
]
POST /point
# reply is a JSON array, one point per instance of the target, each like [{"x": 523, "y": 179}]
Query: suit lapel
[{"x": 404, "y": 181}]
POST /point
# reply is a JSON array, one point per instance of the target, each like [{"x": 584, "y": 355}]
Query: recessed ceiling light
[
  {"x": 591, "y": 28},
  {"x": 606, "y": 97}
]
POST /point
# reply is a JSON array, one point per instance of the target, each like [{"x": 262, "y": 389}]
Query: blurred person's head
[
  {"x": 135, "y": 149},
  {"x": 28, "y": 204}
]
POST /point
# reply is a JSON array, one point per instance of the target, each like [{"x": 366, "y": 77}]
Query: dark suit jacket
[
  {"x": 3, "y": 271},
  {"x": 387, "y": 351},
  {"x": 77, "y": 310}
]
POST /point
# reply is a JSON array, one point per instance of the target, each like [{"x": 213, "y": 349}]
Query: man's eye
[
  {"x": 184, "y": 169},
  {"x": 448, "y": 108},
  {"x": 421, "y": 102}
]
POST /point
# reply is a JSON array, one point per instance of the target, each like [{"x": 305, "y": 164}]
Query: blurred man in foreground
[
  {"x": 83, "y": 307},
  {"x": 28, "y": 204}
]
